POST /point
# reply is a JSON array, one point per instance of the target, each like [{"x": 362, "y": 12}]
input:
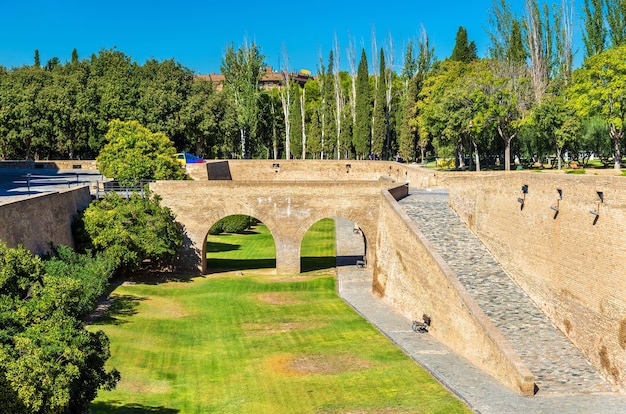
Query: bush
[
  {"x": 237, "y": 223},
  {"x": 129, "y": 230}
]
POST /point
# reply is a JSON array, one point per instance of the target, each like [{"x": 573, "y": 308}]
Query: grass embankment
[{"x": 257, "y": 343}]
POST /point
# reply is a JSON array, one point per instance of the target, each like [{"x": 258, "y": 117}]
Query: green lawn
[
  {"x": 257, "y": 343},
  {"x": 225, "y": 251}
]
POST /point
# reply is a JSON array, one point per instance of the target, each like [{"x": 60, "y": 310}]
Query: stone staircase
[{"x": 558, "y": 367}]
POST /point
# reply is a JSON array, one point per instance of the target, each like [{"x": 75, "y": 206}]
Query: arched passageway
[{"x": 239, "y": 242}]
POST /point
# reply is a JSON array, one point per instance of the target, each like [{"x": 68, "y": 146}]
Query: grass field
[
  {"x": 257, "y": 343},
  {"x": 225, "y": 252}
]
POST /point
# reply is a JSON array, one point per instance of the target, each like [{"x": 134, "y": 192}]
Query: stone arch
[
  {"x": 350, "y": 246},
  {"x": 207, "y": 235}
]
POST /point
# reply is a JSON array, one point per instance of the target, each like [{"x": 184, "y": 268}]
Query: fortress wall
[
  {"x": 40, "y": 220},
  {"x": 414, "y": 279},
  {"x": 330, "y": 170},
  {"x": 572, "y": 268}
]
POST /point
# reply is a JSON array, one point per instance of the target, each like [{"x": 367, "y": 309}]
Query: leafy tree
[
  {"x": 242, "y": 72},
  {"x": 81, "y": 278},
  {"x": 133, "y": 153},
  {"x": 599, "y": 89},
  {"x": 130, "y": 230},
  {"x": 594, "y": 140},
  {"x": 48, "y": 362},
  {"x": 556, "y": 123},
  {"x": 162, "y": 88},
  {"x": 110, "y": 94},
  {"x": 362, "y": 127}
]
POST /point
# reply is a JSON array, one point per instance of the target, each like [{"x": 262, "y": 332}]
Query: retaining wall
[
  {"x": 39, "y": 221},
  {"x": 570, "y": 263},
  {"x": 411, "y": 276}
]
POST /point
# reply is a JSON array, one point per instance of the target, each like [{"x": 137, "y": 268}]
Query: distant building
[{"x": 270, "y": 79}]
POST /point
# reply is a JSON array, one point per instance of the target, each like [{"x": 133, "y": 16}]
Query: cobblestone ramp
[{"x": 557, "y": 365}]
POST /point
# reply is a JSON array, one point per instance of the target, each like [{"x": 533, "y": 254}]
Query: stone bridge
[
  {"x": 287, "y": 208},
  {"x": 570, "y": 264}
]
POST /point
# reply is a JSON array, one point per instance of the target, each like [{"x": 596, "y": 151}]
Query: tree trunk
[
  {"x": 242, "y": 133},
  {"x": 559, "y": 151},
  {"x": 507, "y": 148},
  {"x": 616, "y": 137},
  {"x": 477, "y": 158}
]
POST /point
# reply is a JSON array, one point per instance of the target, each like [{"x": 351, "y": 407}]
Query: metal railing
[{"x": 103, "y": 188}]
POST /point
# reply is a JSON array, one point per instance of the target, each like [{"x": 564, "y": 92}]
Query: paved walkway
[
  {"x": 480, "y": 391},
  {"x": 18, "y": 183}
]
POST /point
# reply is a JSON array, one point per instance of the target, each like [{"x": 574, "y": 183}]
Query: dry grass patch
[
  {"x": 163, "y": 308},
  {"x": 257, "y": 329},
  {"x": 316, "y": 364},
  {"x": 279, "y": 298}
]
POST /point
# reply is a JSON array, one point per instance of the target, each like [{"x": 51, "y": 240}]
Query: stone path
[{"x": 478, "y": 390}]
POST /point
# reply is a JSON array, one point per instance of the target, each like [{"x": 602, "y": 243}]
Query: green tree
[
  {"x": 329, "y": 109},
  {"x": 599, "y": 89},
  {"x": 556, "y": 124},
  {"x": 379, "y": 122},
  {"x": 594, "y": 34},
  {"x": 111, "y": 93},
  {"x": 49, "y": 363},
  {"x": 464, "y": 50},
  {"x": 162, "y": 88},
  {"x": 133, "y": 153},
  {"x": 242, "y": 72},
  {"x": 362, "y": 127},
  {"x": 616, "y": 20},
  {"x": 130, "y": 230}
]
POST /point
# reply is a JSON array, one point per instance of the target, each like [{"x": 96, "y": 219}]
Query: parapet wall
[
  {"x": 414, "y": 279},
  {"x": 39, "y": 221},
  {"x": 570, "y": 262},
  {"x": 323, "y": 170}
]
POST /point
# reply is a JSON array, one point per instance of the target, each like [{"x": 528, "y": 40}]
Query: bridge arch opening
[
  {"x": 238, "y": 242},
  {"x": 330, "y": 242}
]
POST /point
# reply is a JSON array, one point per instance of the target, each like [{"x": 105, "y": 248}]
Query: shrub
[{"x": 237, "y": 223}]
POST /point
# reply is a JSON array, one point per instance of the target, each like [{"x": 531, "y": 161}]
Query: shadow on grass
[
  {"x": 101, "y": 407},
  {"x": 309, "y": 264},
  {"x": 222, "y": 265},
  {"x": 214, "y": 247},
  {"x": 118, "y": 307}
]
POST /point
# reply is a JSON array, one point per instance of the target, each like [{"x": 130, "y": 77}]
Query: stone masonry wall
[
  {"x": 571, "y": 264},
  {"x": 415, "y": 280},
  {"x": 40, "y": 220},
  {"x": 330, "y": 170}
]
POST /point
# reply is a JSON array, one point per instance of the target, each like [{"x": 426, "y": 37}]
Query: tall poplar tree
[
  {"x": 362, "y": 127},
  {"x": 379, "y": 127},
  {"x": 594, "y": 34},
  {"x": 242, "y": 73},
  {"x": 616, "y": 19}
]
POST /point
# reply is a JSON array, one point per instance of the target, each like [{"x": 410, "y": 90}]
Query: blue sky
[{"x": 196, "y": 33}]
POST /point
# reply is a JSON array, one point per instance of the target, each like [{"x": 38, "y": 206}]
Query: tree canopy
[
  {"x": 49, "y": 363},
  {"x": 133, "y": 153}
]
